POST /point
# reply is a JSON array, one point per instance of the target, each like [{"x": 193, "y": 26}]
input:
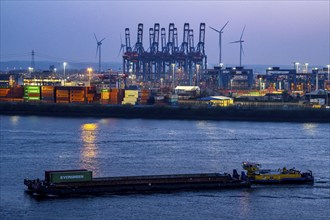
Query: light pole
[
  {"x": 306, "y": 67},
  {"x": 297, "y": 66},
  {"x": 317, "y": 79},
  {"x": 173, "y": 77},
  {"x": 89, "y": 75},
  {"x": 64, "y": 65},
  {"x": 197, "y": 74}
]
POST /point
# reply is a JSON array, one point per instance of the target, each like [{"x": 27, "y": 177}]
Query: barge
[
  {"x": 79, "y": 182},
  {"x": 256, "y": 175}
]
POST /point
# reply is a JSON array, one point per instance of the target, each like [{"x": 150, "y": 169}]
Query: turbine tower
[
  {"x": 98, "y": 49},
  {"x": 240, "y": 41},
  {"x": 220, "y": 36}
]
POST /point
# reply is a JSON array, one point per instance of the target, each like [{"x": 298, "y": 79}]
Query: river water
[{"x": 115, "y": 147}]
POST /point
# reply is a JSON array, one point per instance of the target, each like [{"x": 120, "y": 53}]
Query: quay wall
[{"x": 166, "y": 112}]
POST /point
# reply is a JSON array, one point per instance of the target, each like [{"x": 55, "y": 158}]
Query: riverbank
[{"x": 166, "y": 112}]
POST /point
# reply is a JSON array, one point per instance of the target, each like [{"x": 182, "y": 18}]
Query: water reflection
[
  {"x": 310, "y": 128},
  {"x": 245, "y": 204},
  {"x": 212, "y": 143},
  {"x": 90, "y": 150},
  {"x": 14, "y": 120}
]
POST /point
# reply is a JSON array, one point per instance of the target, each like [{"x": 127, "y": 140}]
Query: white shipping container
[{"x": 319, "y": 101}]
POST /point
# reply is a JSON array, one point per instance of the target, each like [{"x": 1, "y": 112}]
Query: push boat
[
  {"x": 256, "y": 175},
  {"x": 79, "y": 182}
]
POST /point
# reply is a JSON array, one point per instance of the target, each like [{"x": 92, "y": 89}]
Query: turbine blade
[
  {"x": 214, "y": 29},
  {"x": 102, "y": 40},
  {"x": 95, "y": 37},
  {"x": 242, "y": 50},
  {"x": 242, "y": 32},
  {"x": 224, "y": 26},
  {"x": 234, "y": 42}
]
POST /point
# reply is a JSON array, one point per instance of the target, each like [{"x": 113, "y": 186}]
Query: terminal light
[
  {"x": 64, "y": 65},
  {"x": 306, "y": 67},
  {"x": 297, "y": 66},
  {"x": 89, "y": 74}
]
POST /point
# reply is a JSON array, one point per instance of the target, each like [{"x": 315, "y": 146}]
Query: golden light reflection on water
[{"x": 90, "y": 150}]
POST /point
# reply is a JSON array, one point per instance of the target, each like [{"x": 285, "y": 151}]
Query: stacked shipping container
[
  {"x": 172, "y": 99},
  {"x": 90, "y": 94},
  {"x": 74, "y": 94},
  {"x": 48, "y": 94},
  {"x": 116, "y": 96},
  {"x": 105, "y": 96},
  {"x": 131, "y": 97},
  {"x": 12, "y": 94},
  {"x": 32, "y": 93},
  {"x": 144, "y": 96},
  {"x": 62, "y": 94},
  {"x": 77, "y": 94}
]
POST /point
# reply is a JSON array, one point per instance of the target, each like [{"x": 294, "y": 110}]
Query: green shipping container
[
  {"x": 76, "y": 176},
  {"x": 32, "y": 98},
  {"x": 32, "y": 89}
]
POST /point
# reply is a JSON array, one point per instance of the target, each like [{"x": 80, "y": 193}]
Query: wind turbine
[
  {"x": 98, "y": 49},
  {"x": 220, "y": 35},
  {"x": 122, "y": 46},
  {"x": 240, "y": 41}
]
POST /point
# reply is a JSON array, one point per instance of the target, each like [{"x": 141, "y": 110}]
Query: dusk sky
[{"x": 277, "y": 32}]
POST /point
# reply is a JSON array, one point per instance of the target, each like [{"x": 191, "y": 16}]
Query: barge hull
[
  {"x": 283, "y": 181},
  {"x": 138, "y": 184},
  {"x": 158, "y": 188}
]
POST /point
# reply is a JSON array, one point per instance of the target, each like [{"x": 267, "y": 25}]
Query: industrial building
[
  {"x": 289, "y": 80},
  {"x": 280, "y": 79},
  {"x": 231, "y": 78}
]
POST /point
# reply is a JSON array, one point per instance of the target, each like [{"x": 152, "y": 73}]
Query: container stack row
[
  {"x": 62, "y": 94},
  {"x": 12, "y": 94},
  {"x": 90, "y": 94},
  {"x": 116, "y": 96},
  {"x": 76, "y": 94},
  {"x": 48, "y": 94},
  {"x": 144, "y": 96},
  {"x": 105, "y": 96},
  {"x": 112, "y": 96},
  {"x": 32, "y": 93}
]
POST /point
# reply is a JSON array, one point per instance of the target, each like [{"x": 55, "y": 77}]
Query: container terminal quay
[{"x": 168, "y": 78}]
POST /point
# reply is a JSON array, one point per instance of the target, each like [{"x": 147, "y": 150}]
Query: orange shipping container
[
  {"x": 62, "y": 101},
  {"x": 4, "y": 92},
  {"x": 47, "y": 88},
  {"x": 33, "y": 95}
]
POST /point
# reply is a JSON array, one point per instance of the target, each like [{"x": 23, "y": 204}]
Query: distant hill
[{"x": 44, "y": 65}]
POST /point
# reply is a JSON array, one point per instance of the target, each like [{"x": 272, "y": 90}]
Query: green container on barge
[{"x": 73, "y": 176}]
